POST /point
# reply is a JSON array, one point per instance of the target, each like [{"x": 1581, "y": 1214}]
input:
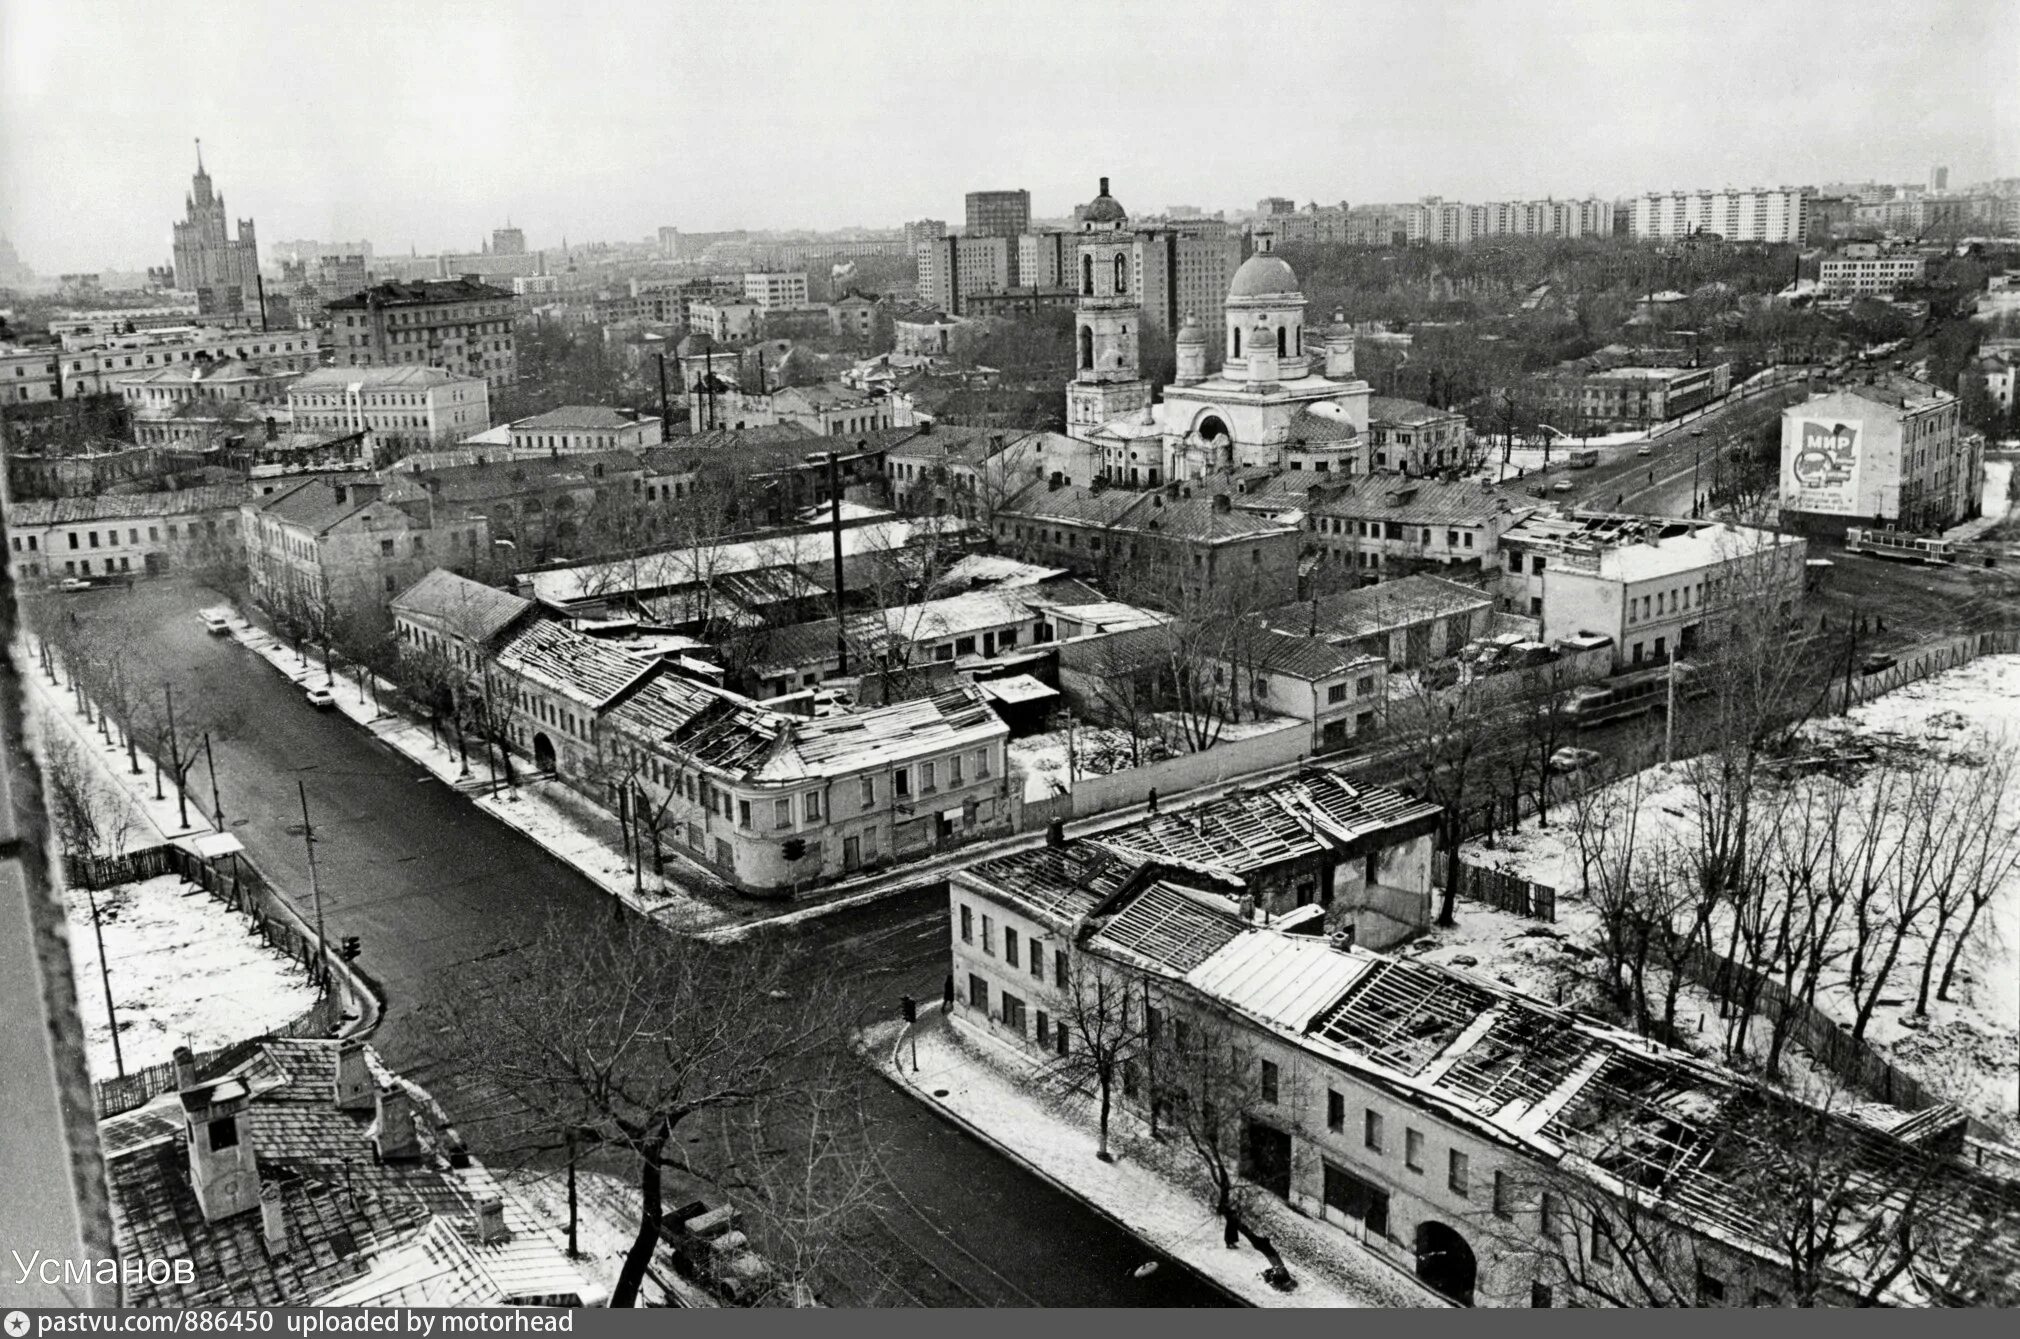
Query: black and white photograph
[{"x": 963, "y": 654}]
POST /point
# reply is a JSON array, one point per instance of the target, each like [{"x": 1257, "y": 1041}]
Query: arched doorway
[
  {"x": 1213, "y": 432},
  {"x": 1446, "y": 1262},
  {"x": 543, "y": 753}
]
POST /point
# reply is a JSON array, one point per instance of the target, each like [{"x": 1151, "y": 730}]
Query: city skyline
[{"x": 412, "y": 159}]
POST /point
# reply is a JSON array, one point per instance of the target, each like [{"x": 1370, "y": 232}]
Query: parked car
[
  {"x": 73, "y": 583},
  {"x": 321, "y": 698},
  {"x": 1645, "y": 451},
  {"x": 1562, "y": 486},
  {"x": 1875, "y": 664},
  {"x": 215, "y": 622},
  {"x": 1573, "y": 760}
]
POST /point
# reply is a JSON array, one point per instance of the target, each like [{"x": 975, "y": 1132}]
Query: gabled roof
[
  {"x": 420, "y": 292},
  {"x": 584, "y": 669},
  {"x": 1414, "y": 499},
  {"x": 1066, "y": 881},
  {"x": 317, "y": 504},
  {"x": 475, "y": 611},
  {"x": 1378, "y": 608},
  {"x": 408, "y": 377},
  {"x": 126, "y": 506},
  {"x": 579, "y": 418}
]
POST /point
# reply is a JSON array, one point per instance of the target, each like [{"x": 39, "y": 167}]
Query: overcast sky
[{"x": 424, "y": 124}]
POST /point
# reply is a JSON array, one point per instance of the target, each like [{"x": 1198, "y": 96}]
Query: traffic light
[{"x": 350, "y": 948}]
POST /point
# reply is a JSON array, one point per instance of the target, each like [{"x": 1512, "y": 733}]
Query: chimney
[
  {"x": 185, "y": 1068},
  {"x": 342, "y": 492},
  {"x": 1055, "y": 832},
  {"x": 1052, "y": 485},
  {"x": 1222, "y": 502},
  {"x": 1246, "y": 907},
  {"x": 491, "y": 1221},
  {"x": 354, "y": 1078},
  {"x": 273, "y": 1219},
  {"x": 392, "y": 1134},
  {"x": 1104, "y": 186}
]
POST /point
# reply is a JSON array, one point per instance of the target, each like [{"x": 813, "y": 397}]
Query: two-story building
[
  {"x": 1385, "y": 525},
  {"x": 1658, "y": 587},
  {"x": 586, "y": 428},
  {"x": 1503, "y": 1151},
  {"x": 334, "y": 543},
  {"x": 119, "y": 534},
  {"x": 1412, "y": 437},
  {"x": 1406, "y": 623}
]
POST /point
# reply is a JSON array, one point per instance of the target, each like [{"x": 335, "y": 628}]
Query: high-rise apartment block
[
  {"x": 458, "y": 325},
  {"x": 998, "y": 213},
  {"x": 953, "y": 268},
  {"x": 222, "y": 272},
  {"x": 775, "y": 292},
  {"x": 1752, "y": 215},
  {"x": 508, "y": 241}
]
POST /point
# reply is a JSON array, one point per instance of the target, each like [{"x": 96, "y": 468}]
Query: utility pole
[
  {"x": 210, "y": 764},
  {"x": 105, "y": 976},
  {"x": 315, "y": 888},
  {"x": 835, "y": 536},
  {"x": 665, "y": 421},
  {"x": 175, "y": 757},
  {"x": 1669, "y": 714}
]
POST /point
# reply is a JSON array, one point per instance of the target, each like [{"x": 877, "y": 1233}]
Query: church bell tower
[{"x": 1107, "y": 382}]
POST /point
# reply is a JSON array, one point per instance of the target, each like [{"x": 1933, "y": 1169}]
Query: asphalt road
[{"x": 427, "y": 883}]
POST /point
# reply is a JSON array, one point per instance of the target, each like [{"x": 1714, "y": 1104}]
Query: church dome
[
  {"x": 1104, "y": 208},
  {"x": 1190, "y": 333},
  {"x": 1263, "y": 275}
]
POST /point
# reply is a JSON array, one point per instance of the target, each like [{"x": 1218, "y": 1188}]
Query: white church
[{"x": 1281, "y": 397}]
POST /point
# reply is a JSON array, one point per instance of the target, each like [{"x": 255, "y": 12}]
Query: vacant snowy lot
[
  {"x": 1885, "y": 841},
  {"x": 186, "y": 971}
]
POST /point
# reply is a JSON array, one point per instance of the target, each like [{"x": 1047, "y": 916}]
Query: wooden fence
[
  {"x": 1498, "y": 888},
  {"x": 107, "y": 871},
  {"x": 1919, "y": 663},
  {"x": 240, "y": 887}
]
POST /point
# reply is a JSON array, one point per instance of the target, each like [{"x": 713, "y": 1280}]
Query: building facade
[
  {"x": 1753, "y": 215},
  {"x": 1873, "y": 275},
  {"x": 400, "y": 406},
  {"x": 120, "y": 534},
  {"x": 334, "y": 545},
  {"x": 952, "y": 269},
  {"x": 96, "y": 362},
  {"x": 775, "y": 291},
  {"x": 29, "y": 374},
  {"x": 457, "y": 325},
  {"x": 1882, "y": 454},
  {"x": 998, "y": 213},
  {"x": 585, "y": 428}
]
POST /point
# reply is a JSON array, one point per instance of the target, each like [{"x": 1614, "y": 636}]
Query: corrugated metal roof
[{"x": 1287, "y": 980}]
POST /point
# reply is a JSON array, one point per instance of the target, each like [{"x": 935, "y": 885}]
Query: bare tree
[
  {"x": 1448, "y": 735},
  {"x": 176, "y": 725},
  {"x": 1100, "y": 1034},
  {"x": 1207, "y": 1088},
  {"x": 636, "y": 1038}
]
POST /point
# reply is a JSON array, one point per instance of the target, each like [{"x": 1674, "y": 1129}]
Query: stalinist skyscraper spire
[{"x": 222, "y": 272}]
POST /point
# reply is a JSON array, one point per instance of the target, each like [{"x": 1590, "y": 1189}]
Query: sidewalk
[{"x": 1150, "y": 1189}]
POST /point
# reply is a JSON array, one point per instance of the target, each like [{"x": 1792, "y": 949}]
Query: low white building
[
  {"x": 98, "y": 360},
  {"x": 412, "y": 406},
  {"x": 1657, "y": 586},
  {"x": 585, "y": 428},
  {"x": 775, "y": 291},
  {"x": 119, "y": 534},
  {"x": 1849, "y": 276},
  {"x": 28, "y": 374}
]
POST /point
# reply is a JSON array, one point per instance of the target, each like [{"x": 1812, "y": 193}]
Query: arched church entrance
[
  {"x": 1213, "y": 432},
  {"x": 543, "y": 753}
]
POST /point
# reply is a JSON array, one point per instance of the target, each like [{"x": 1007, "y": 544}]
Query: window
[
  {"x": 1503, "y": 1196},
  {"x": 927, "y": 780},
  {"x": 1059, "y": 967},
  {"x": 1350, "y": 1196},
  {"x": 1010, "y": 946},
  {"x": 1551, "y": 1215},
  {"x": 1371, "y": 1130},
  {"x": 954, "y": 771},
  {"x": 1269, "y": 1081},
  {"x": 981, "y": 762},
  {"x": 1602, "y": 1240},
  {"x": 1336, "y": 1111},
  {"x": 989, "y": 936},
  {"x": 224, "y": 1133},
  {"x": 782, "y": 813},
  {"x": 967, "y": 925},
  {"x": 901, "y": 782},
  {"x": 1336, "y": 693},
  {"x": 978, "y": 993},
  {"x": 1043, "y": 1029},
  {"x": 869, "y": 791},
  {"x": 1710, "y": 1287},
  {"x": 743, "y": 813},
  {"x": 1413, "y": 1149},
  {"x": 1013, "y": 1012},
  {"x": 385, "y": 548},
  {"x": 812, "y": 806},
  {"x": 1037, "y": 961},
  {"x": 1458, "y": 1172}
]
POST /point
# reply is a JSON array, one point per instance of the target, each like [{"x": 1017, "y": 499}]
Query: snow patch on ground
[
  {"x": 1967, "y": 1048},
  {"x": 186, "y": 971},
  {"x": 606, "y": 1223},
  {"x": 1151, "y": 1188}
]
